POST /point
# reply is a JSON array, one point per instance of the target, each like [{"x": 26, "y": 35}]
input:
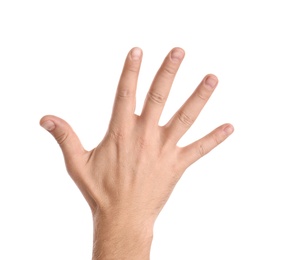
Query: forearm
[{"x": 120, "y": 238}]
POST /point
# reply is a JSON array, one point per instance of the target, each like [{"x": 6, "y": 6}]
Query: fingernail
[
  {"x": 48, "y": 125},
  {"x": 177, "y": 55},
  {"x": 136, "y": 54},
  {"x": 211, "y": 81},
  {"x": 228, "y": 129}
]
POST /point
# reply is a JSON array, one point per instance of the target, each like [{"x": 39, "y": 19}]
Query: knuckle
[
  {"x": 142, "y": 143},
  {"x": 61, "y": 138},
  {"x": 216, "y": 139},
  {"x": 169, "y": 71},
  {"x": 201, "y": 150},
  {"x": 124, "y": 93},
  {"x": 116, "y": 135},
  {"x": 202, "y": 94},
  {"x": 156, "y": 97},
  {"x": 185, "y": 119},
  {"x": 133, "y": 69}
]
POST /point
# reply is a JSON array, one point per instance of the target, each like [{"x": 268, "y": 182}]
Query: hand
[{"x": 130, "y": 175}]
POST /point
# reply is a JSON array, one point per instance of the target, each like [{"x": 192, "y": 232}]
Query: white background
[{"x": 65, "y": 57}]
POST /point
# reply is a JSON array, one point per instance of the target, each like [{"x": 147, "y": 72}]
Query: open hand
[{"x": 130, "y": 175}]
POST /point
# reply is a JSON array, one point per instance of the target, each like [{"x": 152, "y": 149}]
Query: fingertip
[
  {"x": 136, "y": 53},
  {"x": 228, "y": 129},
  {"x": 211, "y": 80},
  {"x": 177, "y": 54},
  {"x": 48, "y": 123},
  {"x": 177, "y": 48},
  {"x": 211, "y": 75}
]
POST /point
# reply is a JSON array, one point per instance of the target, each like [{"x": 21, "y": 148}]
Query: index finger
[{"x": 124, "y": 103}]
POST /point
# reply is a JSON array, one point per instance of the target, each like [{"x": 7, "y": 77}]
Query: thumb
[{"x": 64, "y": 135}]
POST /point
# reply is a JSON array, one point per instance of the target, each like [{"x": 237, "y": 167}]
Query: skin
[{"x": 129, "y": 176}]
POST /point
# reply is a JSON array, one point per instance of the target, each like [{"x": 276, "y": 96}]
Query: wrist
[{"x": 121, "y": 236}]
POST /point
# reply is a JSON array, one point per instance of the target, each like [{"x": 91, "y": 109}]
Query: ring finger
[{"x": 188, "y": 113}]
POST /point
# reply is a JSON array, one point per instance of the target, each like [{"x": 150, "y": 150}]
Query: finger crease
[
  {"x": 202, "y": 96},
  {"x": 61, "y": 138},
  {"x": 202, "y": 151},
  {"x": 185, "y": 119},
  {"x": 215, "y": 137},
  {"x": 169, "y": 71},
  {"x": 125, "y": 93},
  {"x": 156, "y": 98}
]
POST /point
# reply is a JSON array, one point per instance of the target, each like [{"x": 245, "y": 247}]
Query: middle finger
[{"x": 160, "y": 87}]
